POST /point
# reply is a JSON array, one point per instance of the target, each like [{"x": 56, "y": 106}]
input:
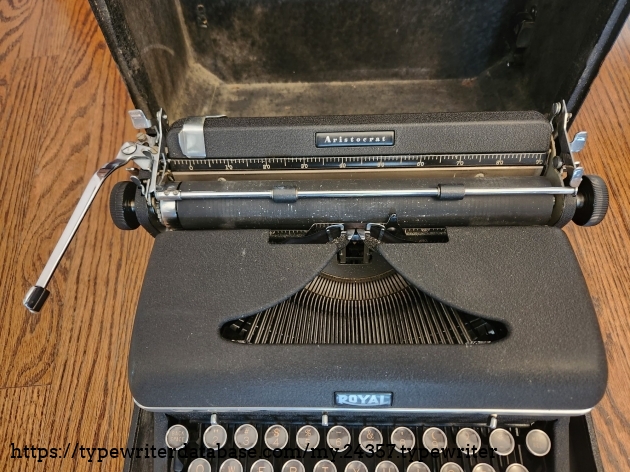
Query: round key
[
  {"x": 324, "y": 466},
  {"x": 261, "y": 465},
  {"x": 434, "y": 438},
  {"x": 215, "y": 437},
  {"x": 176, "y": 436},
  {"x": 417, "y": 466},
  {"x": 386, "y": 466},
  {"x": 338, "y": 438},
  {"x": 483, "y": 468},
  {"x": 451, "y": 467},
  {"x": 468, "y": 440},
  {"x": 293, "y": 466},
  {"x": 370, "y": 438},
  {"x": 231, "y": 465},
  {"x": 502, "y": 441},
  {"x": 245, "y": 437},
  {"x": 403, "y": 438},
  {"x": 307, "y": 438},
  {"x": 199, "y": 465},
  {"x": 516, "y": 468},
  {"x": 356, "y": 466},
  {"x": 538, "y": 443},
  {"x": 276, "y": 437}
]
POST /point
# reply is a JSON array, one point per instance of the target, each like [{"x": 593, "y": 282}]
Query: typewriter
[{"x": 367, "y": 293}]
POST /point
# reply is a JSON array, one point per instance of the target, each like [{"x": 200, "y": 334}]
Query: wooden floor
[{"x": 62, "y": 113}]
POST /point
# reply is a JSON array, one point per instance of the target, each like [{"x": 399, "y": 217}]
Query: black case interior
[{"x": 348, "y": 57}]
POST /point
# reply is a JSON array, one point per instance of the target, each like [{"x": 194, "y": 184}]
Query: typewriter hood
[{"x": 551, "y": 362}]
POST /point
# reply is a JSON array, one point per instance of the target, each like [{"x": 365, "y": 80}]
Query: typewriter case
[{"x": 282, "y": 58}]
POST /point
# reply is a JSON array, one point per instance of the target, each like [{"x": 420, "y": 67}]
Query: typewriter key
[
  {"x": 199, "y": 465},
  {"x": 355, "y": 466},
  {"x": 418, "y": 467},
  {"x": 231, "y": 465},
  {"x": 467, "y": 439},
  {"x": 276, "y": 437},
  {"x": 261, "y": 465},
  {"x": 502, "y": 441},
  {"x": 386, "y": 466},
  {"x": 434, "y": 438},
  {"x": 307, "y": 438},
  {"x": 324, "y": 466},
  {"x": 215, "y": 437},
  {"x": 403, "y": 437},
  {"x": 176, "y": 436},
  {"x": 293, "y": 466},
  {"x": 370, "y": 438},
  {"x": 451, "y": 467},
  {"x": 245, "y": 437},
  {"x": 338, "y": 438},
  {"x": 483, "y": 468},
  {"x": 516, "y": 468},
  {"x": 538, "y": 443}
]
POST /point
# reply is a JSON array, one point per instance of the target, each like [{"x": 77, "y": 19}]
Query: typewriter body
[
  {"x": 376, "y": 274},
  {"x": 361, "y": 268}
]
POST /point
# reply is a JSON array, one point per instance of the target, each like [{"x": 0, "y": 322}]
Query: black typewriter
[
  {"x": 363, "y": 281},
  {"x": 383, "y": 287}
]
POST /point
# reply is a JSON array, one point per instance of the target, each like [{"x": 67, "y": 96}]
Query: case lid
[{"x": 347, "y": 57}]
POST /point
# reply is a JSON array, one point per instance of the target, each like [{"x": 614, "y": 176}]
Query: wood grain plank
[
  {"x": 604, "y": 251},
  {"x": 62, "y": 112},
  {"x": 99, "y": 303},
  {"x": 25, "y": 344},
  {"x": 21, "y": 410}
]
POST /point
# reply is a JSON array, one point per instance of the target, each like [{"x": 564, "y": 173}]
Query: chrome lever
[{"x": 37, "y": 294}]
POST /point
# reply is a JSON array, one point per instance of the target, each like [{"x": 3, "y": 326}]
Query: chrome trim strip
[{"x": 332, "y": 410}]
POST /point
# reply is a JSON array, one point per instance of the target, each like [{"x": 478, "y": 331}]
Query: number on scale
[
  {"x": 420, "y": 164},
  {"x": 266, "y": 166},
  {"x": 499, "y": 162},
  {"x": 342, "y": 165},
  {"x": 304, "y": 165}
]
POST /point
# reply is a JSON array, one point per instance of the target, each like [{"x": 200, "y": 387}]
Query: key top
[
  {"x": 451, "y": 467},
  {"x": 276, "y": 437},
  {"x": 176, "y": 436},
  {"x": 483, "y": 468},
  {"x": 516, "y": 468},
  {"x": 502, "y": 441},
  {"x": 386, "y": 466},
  {"x": 355, "y": 466},
  {"x": 338, "y": 438},
  {"x": 324, "y": 466},
  {"x": 261, "y": 465},
  {"x": 434, "y": 438},
  {"x": 293, "y": 466},
  {"x": 370, "y": 438},
  {"x": 538, "y": 443},
  {"x": 245, "y": 437},
  {"x": 199, "y": 465},
  {"x": 467, "y": 439},
  {"x": 231, "y": 465},
  {"x": 215, "y": 437},
  {"x": 403, "y": 438},
  {"x": 417, "y": 466},
  {"x": 307, "y": 437}
]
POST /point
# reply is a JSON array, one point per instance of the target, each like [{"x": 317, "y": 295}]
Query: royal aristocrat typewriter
[{"x": 361, "y": 268}]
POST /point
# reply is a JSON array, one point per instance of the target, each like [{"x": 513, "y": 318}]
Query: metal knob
[
  {"x": 592, "y": 201},
  {"x": 122, "y": 205}
]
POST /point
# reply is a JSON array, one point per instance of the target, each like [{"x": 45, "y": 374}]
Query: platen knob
[
  {"x": 122, "y": 206},
  {"x": 592, "y": 201}
]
